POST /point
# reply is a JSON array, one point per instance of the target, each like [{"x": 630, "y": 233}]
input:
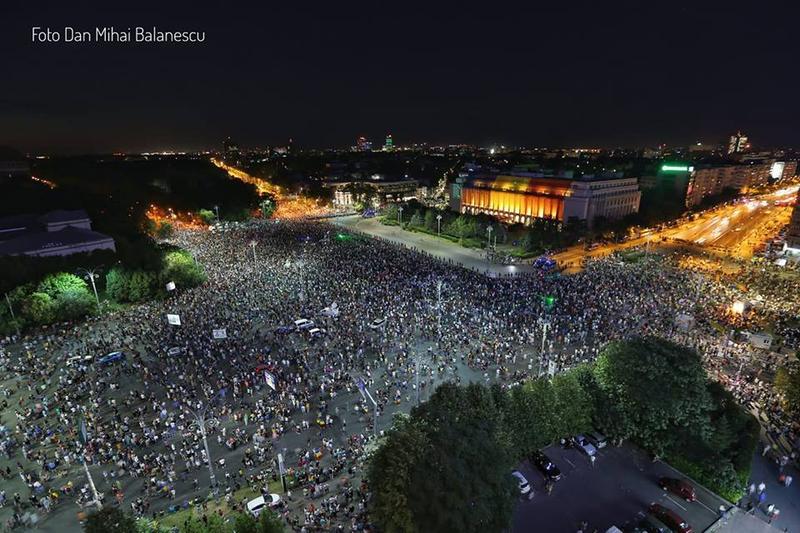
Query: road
[
  {"x": 440, "y": 248},
  {"x": 733, "y": 230},
  {"x": 615, "y": 491}
]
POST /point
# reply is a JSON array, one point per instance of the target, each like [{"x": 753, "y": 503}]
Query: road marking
[
  {"x": 707, "y": 507},
  {"x": 570, "y": 462},
  {"x": 676, "y": 503}
]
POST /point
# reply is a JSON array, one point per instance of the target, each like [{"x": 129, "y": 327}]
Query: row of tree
[
  {"x": 64, "y": 296},
  {"x": 446, "y": 466}
]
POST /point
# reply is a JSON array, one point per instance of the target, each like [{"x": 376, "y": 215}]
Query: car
[
  {"x": 78, "y": 360},
  {"x": 543, "y": 463},
  {"x": 303, "y": 323},
  {"x": 256, "y": 505},
  {"x": 316, "y": 332},
  {"x": 281, "y": 330},
  {"x": 176, "y": 350},
  {"x": 109, "y": 358},
  {"x": 524, "y": 486},
  {"x": 651, "y": 524},
  {"x": 672, "y": 519},
  {"x": 583, "y": 444},
  {"x": 597, "y": 439},
  {"x": 378, "y": 323},
  {"x": 678, "y": 486}
]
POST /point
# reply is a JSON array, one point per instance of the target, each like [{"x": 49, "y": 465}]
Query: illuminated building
[
  {"x": 230, "y": 148},
  {"x": 347, "y": 193},
  {"x": 713, "y": 180},
  {"x": 363, "y": 145},
  {"x": 54, "y": 233},
  {"x": 388, "y": 145},
  {"x": 523, "y": 197},
  {"x": 738, "y": 143}
]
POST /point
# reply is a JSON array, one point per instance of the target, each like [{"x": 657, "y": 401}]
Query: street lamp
[
  {"x": 253, "y": 245},
  {"x": 216, "y": 209},
  {"x": 200, "y": 420},
  {"x": 91, "y": 275},
  {"x": 400, "y": 215},
  {"x": 489, "y": 231},
  {"x": 438, "y": 225}
]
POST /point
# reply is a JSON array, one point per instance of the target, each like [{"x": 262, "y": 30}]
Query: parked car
[
  {"x": 597, "y": 439},
  {"x": 176, "y": 350},
  {"x": 583, "y": 444},
  {"x": 378, "y": 323},
  {"x": 651, "y": 524},
  {"x": 256, "y": 505},
  {"x": 109, "y": 358},
  {"x": 524, "y": 486},
  {"x": 303, "y": 323},
  {"x": 316, "y": 332},
  {"x": 548, "y": 469},
  {"x": 678, "y": 486},
  {"x": 281, "y": 330},
  {"x": 672, "y": 519}
]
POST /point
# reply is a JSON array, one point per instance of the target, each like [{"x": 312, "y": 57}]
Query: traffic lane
[{"x": 617, "y": 490}]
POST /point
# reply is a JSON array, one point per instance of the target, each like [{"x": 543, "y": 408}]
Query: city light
[
  {"x": 676, "y": 168},
  {"x": 738, "y": 307}
]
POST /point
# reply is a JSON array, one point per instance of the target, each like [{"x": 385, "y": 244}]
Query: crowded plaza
[{"x": 304, "y": 343}]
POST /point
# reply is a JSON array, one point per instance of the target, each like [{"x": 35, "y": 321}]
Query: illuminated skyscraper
[
  {"x": 738, "y": 143},
  {"x": 388, "y": 145},
  {"x": 363, "y": 145}
]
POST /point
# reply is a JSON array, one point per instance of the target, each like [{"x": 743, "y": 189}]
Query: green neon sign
[{"x": 676, "y": 168}]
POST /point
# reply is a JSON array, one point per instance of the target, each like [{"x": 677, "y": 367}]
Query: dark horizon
[{"x": 562, "y": 76}]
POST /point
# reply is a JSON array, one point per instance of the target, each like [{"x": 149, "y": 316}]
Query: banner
[
  {"x": 174, "y": 320},
  {"x": 171, "y": 286},
  {"x": 270, "y": 379},
  {"x": 220, "y": 333}
]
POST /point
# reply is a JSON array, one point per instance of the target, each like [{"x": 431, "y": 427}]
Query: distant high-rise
[
  {"x": 388, "y": 145},
  {"x": 229, "y": 147},
  {"x": 738, "y": 143},
  {"x": 363, "y": 145}
]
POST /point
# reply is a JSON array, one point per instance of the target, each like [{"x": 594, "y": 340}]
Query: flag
[
  {"x": 270, "y": 379},
  {"x": 174, "y": 320},
  {"x": 220, "y": 333}
]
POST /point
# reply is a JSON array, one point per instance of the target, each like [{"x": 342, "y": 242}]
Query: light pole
[
  {"x": 91, "y": 275},
  {"x": 11, "y": 310},
  {"x": 489, "y": 231},
  {"x": 400, "y": 215},
  {"x": 438, "y": 225},
  {"x": 416, "y": 377},
  {"x": 253, "y": 245},
  {"x": 439, "y": 311},
  {"x": 200, "y": 421},
  {"x": 216, "y": 209}
]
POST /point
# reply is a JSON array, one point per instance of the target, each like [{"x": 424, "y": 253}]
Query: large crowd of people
[{"x": 404, "y": 322}]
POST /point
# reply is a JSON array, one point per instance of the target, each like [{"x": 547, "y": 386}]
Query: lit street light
[
  {"x": 91, "y": 275},
  {"x": 438, "y": 225},
  {"x": 400, "y": 215},
  {"x": 216, "y": 209},
  {"x": 201, "y": 421}
]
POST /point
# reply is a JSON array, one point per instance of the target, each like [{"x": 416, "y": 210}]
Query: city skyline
[{"x": 577, "y": 76}]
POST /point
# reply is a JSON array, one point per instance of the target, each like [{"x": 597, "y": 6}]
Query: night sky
[{"x": 564, "y": 76}]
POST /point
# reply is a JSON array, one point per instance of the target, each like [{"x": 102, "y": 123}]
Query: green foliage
[
  {"x": 390, "y": 212},
  {"x": 206, "y": 216},
  {"x": 654, "y": 392},
  {"x": 148, "y": 525},
  {"x": 416, "y": 219},
  {"x": 165, "y": 230},
  {"x": 180, "y": 267},
  {"x": 267, "y": 522},
  {"x": 208, "y": 523},
  {"x": 429, "y": 221},
  {"x": 62, "y": 282},
  {"x": 110, "y": 520},
  {"x": 787, "y": 382},
  {"x": 446, "y": 467},
  {"x": 117, "y": 283},
  {"x": 39, "y": 308},
  {"x": 268, "y": 206}
]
